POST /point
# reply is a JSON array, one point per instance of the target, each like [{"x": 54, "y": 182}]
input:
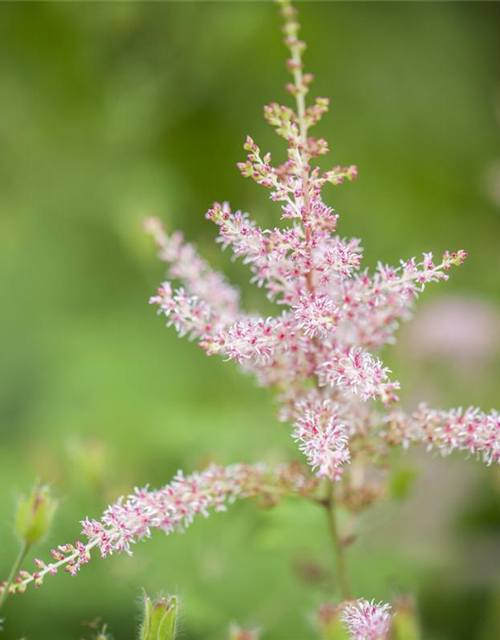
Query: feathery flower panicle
[
  {"x": 334, "y": 317},
  {"x": 368, "y": 621}
]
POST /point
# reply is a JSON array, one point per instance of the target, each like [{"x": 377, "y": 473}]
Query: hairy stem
[
  {"x": 14, "y": 571},
  {"x": 338, "y": 547}
]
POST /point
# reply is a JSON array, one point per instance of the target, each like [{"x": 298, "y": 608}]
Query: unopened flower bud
[
  {"x": 34, "y": 516},
  {"x": 160, "y": 619},
  {"x": 250, "y": 145}
]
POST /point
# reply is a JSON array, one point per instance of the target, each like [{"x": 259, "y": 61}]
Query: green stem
[
  {"x": 14, "y": 571},
  {"x": 338, "y": 546}
]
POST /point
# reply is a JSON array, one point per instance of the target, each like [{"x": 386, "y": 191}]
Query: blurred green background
[{"x": 114, "y": 111}]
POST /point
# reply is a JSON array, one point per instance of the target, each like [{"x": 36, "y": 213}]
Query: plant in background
[{"x": 319, "y": 352}]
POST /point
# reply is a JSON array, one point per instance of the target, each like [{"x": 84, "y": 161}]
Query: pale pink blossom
[{"x": 368, "y": 621}]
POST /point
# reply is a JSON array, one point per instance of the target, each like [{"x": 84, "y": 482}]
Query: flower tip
[{"x": 456, "y": 258}]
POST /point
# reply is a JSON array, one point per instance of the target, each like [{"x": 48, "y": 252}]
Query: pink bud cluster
[
  {"x": 368, "y": 621},
  {"x": 172, "y": 508}
]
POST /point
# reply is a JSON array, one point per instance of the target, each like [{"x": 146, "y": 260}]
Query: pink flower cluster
[
  {"x": 172, "y": 508},
  {"x": 368, "y": 621}
]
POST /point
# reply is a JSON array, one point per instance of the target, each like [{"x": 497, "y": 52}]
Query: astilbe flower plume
[
  {"x": 319, "y": 351},
  {"x": 335, "y": 316}
]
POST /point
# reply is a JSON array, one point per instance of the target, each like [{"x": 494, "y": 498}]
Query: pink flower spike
[{"x": 170, "y": 509}]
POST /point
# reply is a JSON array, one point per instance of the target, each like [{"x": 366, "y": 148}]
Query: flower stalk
[
  {"x": 23, "y": 552},
  {"x": 339, "y": 548}
]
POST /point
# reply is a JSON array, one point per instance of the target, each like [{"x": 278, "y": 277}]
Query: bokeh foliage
[{"x": 113, "y": 111}]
